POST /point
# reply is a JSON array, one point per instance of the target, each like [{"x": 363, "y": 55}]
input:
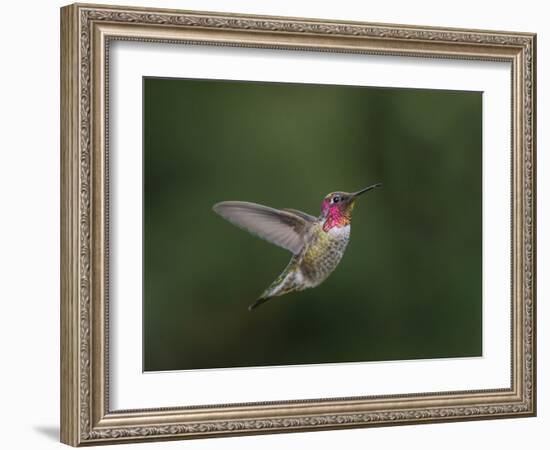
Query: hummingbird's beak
[{"x": 362, "y": 191}]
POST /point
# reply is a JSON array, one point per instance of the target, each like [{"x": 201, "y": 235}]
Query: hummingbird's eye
[{"x": 335, "y": 199}]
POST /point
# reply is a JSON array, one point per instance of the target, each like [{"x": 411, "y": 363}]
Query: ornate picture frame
[{"x": 87, "y": 31}]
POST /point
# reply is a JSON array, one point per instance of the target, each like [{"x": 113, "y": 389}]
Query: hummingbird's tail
[
  {"x": 258, "y": 302},
  {"x": 286, "y": 282},
  {"x": 272, "y": 293}
]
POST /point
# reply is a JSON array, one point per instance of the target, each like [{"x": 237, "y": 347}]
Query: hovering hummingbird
[{"x": 317, "y": 243}]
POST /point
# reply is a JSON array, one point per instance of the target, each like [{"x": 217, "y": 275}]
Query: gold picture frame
[{"x": 86, "y": 33}]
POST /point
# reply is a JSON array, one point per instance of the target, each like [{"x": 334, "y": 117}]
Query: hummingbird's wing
[
  {"x": 307, "y": 217},
  {"x": 283, "y": 228}
]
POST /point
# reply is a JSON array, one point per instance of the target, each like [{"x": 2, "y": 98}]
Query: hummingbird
[{"x": 317, "y": 244}]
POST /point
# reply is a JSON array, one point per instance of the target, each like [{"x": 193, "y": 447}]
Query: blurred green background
[{"x": 409, "y": 285}]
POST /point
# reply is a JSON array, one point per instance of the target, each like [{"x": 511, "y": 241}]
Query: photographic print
[{"x": 352, "y": 228}]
